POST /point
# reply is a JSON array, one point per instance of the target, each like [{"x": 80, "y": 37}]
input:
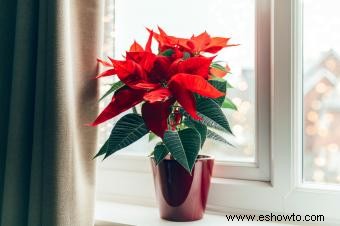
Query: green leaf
[
  {"x": 212, "y": 115},
  {"x": 228, "y": 85},
  {"x": 113, "y": 88},
  {"x": 202, "y": 129},
  {"x": 167, "y": 52},
  {"x": 214, "y": 136},
  {"x": 215, "y": 78},
  {"x": 102, "y": 150},
  {"x": 227, "y": 103},
  {"x": 184, "y": 146},
  {"x": 218, "y": 66},
  {"x": 160, "y": 152},
  {"x": 128, "y": 129},
  {"x": 221, "y": 86},
  {"x": 152, "y": 136}
]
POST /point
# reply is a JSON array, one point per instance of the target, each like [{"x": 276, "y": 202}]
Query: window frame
[
  {"x": 285, "y": 191},
  {"x": 260, "y": 168}
]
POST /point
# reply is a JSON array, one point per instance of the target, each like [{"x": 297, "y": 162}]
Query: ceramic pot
[{"x": 181, "y": 196}]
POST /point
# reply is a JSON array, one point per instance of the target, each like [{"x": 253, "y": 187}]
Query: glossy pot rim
[{"x": 200, "y": 158}]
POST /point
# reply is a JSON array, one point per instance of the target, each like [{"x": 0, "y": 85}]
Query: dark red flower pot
[{"x": 181, "y": 196}]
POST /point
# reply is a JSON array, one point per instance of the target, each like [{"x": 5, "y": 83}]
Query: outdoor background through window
[
  {"x": 125, "y": 21},
  {"x": 321, "y": 66}
]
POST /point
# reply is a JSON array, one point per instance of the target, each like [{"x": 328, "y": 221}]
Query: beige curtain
[{"x": 48, "y": 51}]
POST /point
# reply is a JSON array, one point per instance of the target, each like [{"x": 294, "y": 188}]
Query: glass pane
[
  {"x": 108, "y": 50},
  {"x": 231, "y": 18},
  {"x": 321, "y": 66}
]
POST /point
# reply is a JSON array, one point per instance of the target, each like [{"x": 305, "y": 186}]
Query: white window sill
[{"x": 117, "y": 214}]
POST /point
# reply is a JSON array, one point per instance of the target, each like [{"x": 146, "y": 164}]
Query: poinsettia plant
[{"x": 181, "y": 90}]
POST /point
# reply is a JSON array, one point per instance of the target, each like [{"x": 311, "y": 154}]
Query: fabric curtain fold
[{"x": 47, "y": 95}]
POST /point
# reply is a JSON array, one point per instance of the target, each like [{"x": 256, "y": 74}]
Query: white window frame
[
  {"x": 128, "y": 178},
  {"x": 260, "y": 168}
]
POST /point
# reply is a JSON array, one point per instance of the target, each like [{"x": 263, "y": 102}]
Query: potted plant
[{"x": 182, "y": 91}]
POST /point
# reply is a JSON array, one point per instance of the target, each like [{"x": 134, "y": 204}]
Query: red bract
[
  {"x": 194, "y": 83},
  {"x": 165, "y": 41},
  {"x": 108, "y": 72},
  {"x": 195, "y": 45},
  {"x": 156, "y": 116},
  {"x": 196, "y": 65},
  {"x": 185, "y": 98},
  {"x": 122, "y": 100},
  {"x": 160, "y": 69},
  {"x": 163, "y": 80},
  {"x": 160, "y": 94},
  {"x": 205, "y": 43},
  {"x": 132, "y": 74},
  {"x": 135, "y": 47}
]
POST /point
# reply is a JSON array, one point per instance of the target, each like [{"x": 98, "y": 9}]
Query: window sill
[{"x": 117, "y": 214}]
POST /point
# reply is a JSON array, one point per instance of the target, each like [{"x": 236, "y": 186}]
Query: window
[
  {"x": 107, "y": 50},
  {"x": 321, "y": 69},
  {"x": 249, "y": 158},
  {"x": 231, "y": 18},
  {"x": 292, "y": 70}
]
